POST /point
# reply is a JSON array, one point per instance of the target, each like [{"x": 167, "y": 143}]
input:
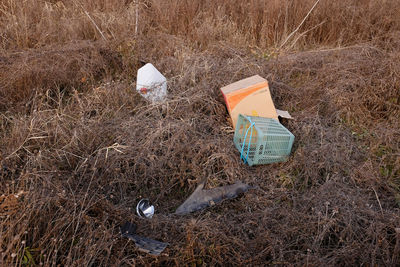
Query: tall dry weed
[{"x": 258, "y": 22}]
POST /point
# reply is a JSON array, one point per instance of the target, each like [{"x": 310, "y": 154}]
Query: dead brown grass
[
  {"x": 28, "y": 74},
  {"x": 79, "y": 148},
  {"x": 257, "y": 22}
]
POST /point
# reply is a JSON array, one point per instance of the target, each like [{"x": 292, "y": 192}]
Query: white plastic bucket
[{"x": 151, "y": 84}]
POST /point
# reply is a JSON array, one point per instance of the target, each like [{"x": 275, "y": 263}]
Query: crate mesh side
[
  {"x": 275, "y": 140},
  {"x": 241, "y": 128}
]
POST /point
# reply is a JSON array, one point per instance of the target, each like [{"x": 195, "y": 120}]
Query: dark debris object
[
  {"x": 201, "y": 199},
  {"x": 144, "y": 244}
]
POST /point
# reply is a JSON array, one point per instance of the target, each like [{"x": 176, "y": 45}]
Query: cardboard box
[{"x": 250, "y": 96}]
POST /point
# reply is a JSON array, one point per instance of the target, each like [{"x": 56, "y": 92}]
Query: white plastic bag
[{"x": 151, "y": 84}]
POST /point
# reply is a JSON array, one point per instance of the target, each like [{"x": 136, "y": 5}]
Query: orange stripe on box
[{"x": 234, "y": 98}]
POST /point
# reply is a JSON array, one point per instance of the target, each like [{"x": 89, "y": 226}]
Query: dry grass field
[{"x": 79, "y": 147}]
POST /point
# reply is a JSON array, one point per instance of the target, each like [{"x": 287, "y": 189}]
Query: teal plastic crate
[{"x": 262, "y": 140}]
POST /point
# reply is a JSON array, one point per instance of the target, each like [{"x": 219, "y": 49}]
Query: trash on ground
[
  {"x": 151, "y": 84},
  {"x": 144, "y": 244},
  {"x": 201, "y": 199},
  {"x": 252, "y": 111},
  {"x": 250, "y": 96},
  {"x": 262, "y": 140},
  {"x": 284, "y": 114},
  {"x": 145, "y": 209}
]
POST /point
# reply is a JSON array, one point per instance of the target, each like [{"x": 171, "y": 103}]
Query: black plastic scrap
[
  {"x": 201, "y": 199},
  {"x": 144, "y": 244}
]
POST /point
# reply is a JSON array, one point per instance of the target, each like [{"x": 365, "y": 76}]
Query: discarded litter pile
[
  {"x": 259, "y": 136},
  {"x": 268, "y": 142},
  {"x": 200, "y": 199}
]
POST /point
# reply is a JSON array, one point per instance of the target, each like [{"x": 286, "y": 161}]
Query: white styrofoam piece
[
  {"x": 284, "y": 114},
  {"x": 151, "y": 84}
]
